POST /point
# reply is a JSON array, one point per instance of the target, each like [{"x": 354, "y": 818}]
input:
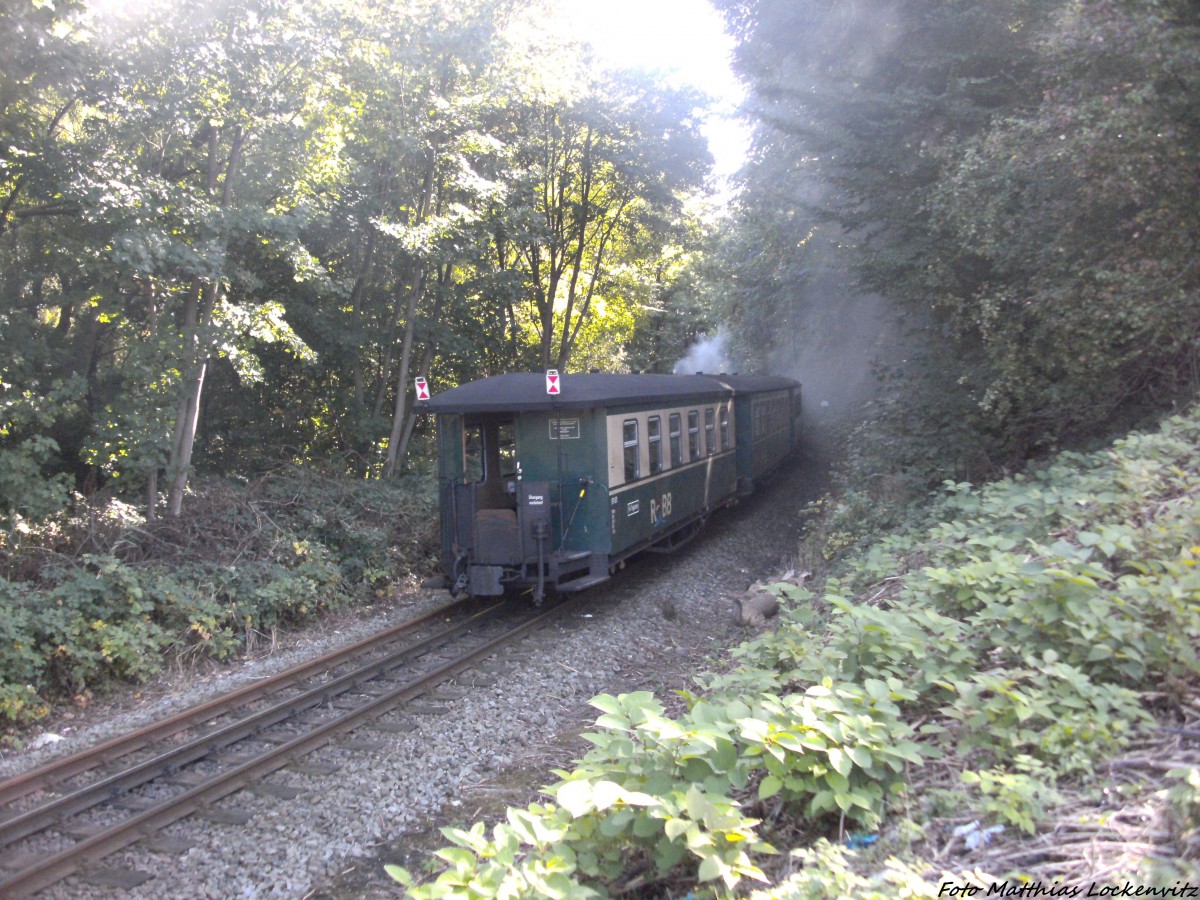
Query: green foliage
[
  {"x": 840, "y": 747},
  {"x": 1017, "y": 180},
  {"x": 24, "y": 488},
  {"x": 271, "y": 556},
  {"x": 1019, "y": 623},
  {"x": 826, "y": 871},
  {"x": 1073, "y": 223},
  {"x": 1052, "y": 599},
  {"x": 520, "y": 860},
  {"x": 98, "y": 620},
  {"x": 1017, "y": 798},
  {"x": 279, "y": 214},
  {"x": 30, "y": 488},
  {"x": 662, "y": 789},
  {"x": 661, "y": 786},
  {"x": 633, "y": 793},
  {"x": 20, "y": 659},
  {"x": 1050, "y": 710}
]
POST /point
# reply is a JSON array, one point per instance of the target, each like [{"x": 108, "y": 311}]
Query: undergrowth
[
  {"x": 980, "y": 667},
  {"x": 100, "y": 594}
]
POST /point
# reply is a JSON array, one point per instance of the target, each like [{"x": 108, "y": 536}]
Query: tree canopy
[
  {"x": 1018, "y": 179},
  {"x": 232, "y": 238}
]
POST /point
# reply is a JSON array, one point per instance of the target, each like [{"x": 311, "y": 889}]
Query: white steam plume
[{"x": 708, "y": 354}]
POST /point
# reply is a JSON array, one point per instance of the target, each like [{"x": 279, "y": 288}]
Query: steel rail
[
  {"x": 52, "y": 773},
  {"x": 66, "y": 862},
  {"x": 41, "y": 817}
]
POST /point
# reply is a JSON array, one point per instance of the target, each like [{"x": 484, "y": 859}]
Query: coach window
[
  {"x": 473, "y": 453},
  {"x": 710, "y": 431},
  {"x": 676, "y": 423},
  {"x": 724, "y": 427},
  {"x": 632, "y": 468},
  {"x": 506, "y": 443},
  {"x": 693, "y": 434},
  {"x": 654, "y": 441}
]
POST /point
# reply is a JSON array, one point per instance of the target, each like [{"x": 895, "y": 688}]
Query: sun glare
[
  {"x": 685, "y": 38},
  {"x": 686, "y": 41},
  {"x": 116, "y": 9}
]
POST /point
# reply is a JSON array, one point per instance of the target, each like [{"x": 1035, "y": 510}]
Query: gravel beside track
[{"x": 495, "y": 731}]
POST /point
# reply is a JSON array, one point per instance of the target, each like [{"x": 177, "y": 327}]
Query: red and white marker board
[
  {"x": 553, "y": 383},
  {"x": 422, "y": 389}
]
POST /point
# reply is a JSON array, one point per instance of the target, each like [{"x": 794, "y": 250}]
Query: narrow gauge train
[{"x": 541, "y": 490}]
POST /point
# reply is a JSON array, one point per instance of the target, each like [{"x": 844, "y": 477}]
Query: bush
[
  {"x": 99, "y": 594},
  {"x": 1020, "y": 623}
]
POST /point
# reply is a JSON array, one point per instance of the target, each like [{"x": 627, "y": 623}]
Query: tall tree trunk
[
  {"x": 197, "y": 316},
  {"x": 400, "y": 412},
  {"x": 356, "y": 296},
  {"x": 152, "y": 321},
  {"x": 366, "y": 268},
  {"x": 415, "y": 285},
  {"x": 581, "y": 219},
  {"x": 568, "y": 346},
  {"x": 401, "y": 407},
  {"x": 361, "y": 436},
  {"x": 187, "y": 416},
  {"x": 410, "y": 419},
  {"x": 385, "y": 370}
]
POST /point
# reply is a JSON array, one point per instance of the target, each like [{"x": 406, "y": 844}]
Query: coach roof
[{"x": 526, "y": 391}]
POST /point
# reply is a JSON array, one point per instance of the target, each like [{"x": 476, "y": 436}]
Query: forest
[{"x": 230, "y": 240}]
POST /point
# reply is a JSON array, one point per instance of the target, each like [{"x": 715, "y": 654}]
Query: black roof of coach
[{"x": 526, "y": 391}]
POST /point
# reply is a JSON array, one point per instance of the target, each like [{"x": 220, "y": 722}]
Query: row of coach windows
[
  {"x": 770, "y": 416},
  {"x": 716, "y": 436}
]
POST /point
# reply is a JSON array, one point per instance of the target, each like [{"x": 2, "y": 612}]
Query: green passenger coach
[{"x": 539, "y": 489}]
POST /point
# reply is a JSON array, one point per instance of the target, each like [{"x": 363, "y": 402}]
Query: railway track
[{"x": 84, "y": 807}]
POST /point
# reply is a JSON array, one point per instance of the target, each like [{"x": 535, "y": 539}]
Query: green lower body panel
[{"x": 650, "y": 510}]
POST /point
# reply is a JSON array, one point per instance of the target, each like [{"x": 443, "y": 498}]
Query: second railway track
[{"x": 65, "y": 816}]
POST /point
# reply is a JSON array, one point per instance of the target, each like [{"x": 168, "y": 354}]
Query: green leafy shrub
[
  {"x": 663, "y": 789},
  {"x": 30, "y": 488},
  {"x": 826, "y": 871},
  {"x": 246, "y": 561},
  {"x": 20, "y": 660},
  {"x": 1049, "y": 710},
  {"x": 98, "y": 620},
  {"x": 680, "y": 773},
  {"x": 1020, "y": 621},
  {"x": 650, "y": 787},
  {"x": 1016, "y": 798},
  {"x": 836, "y": 747}
]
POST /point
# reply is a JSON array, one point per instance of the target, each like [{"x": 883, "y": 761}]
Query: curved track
[{"x": 355, "y": 685}]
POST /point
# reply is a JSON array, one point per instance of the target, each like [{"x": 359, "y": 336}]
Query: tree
[
  {"x": 232, "y": 237},
  {"x": 987, "y": 167},
  {"x": 140, "y": 184},
  {"x": 402, "y": 232},
  {"x": 1070, "y": 229},
  {"x": 592, "y": 176},
  {"x": 47, "y": 74}
]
